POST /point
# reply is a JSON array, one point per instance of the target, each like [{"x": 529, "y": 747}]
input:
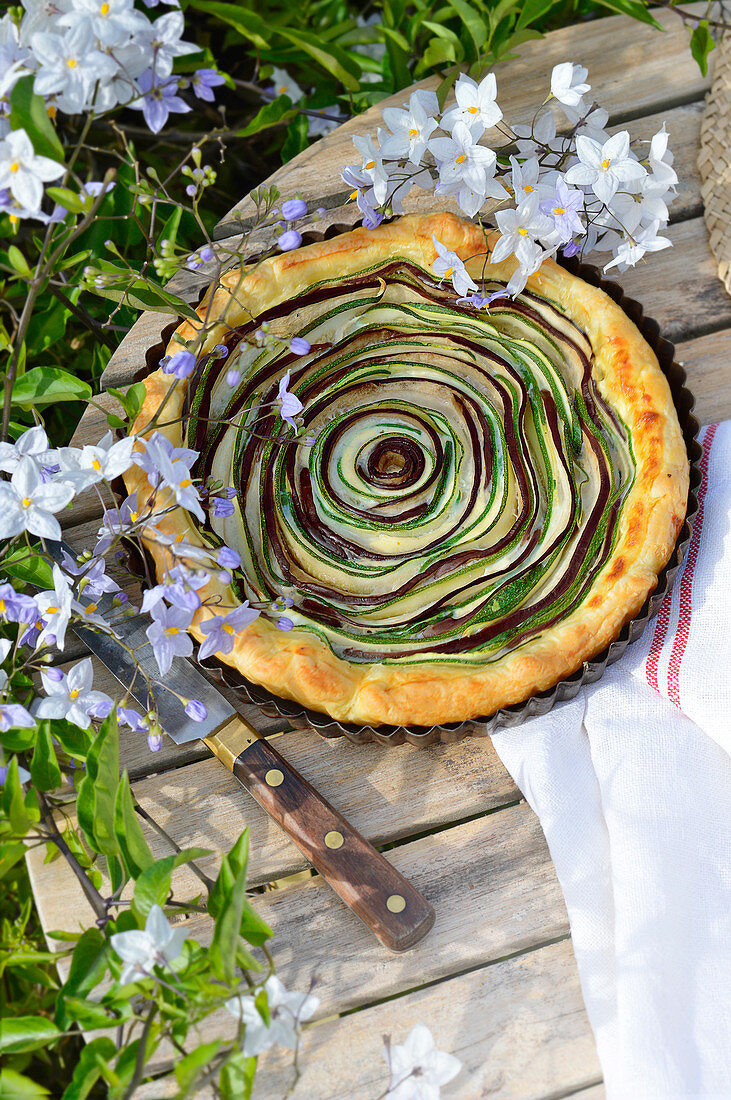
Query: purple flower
[
  {"x": 570, "y": 249},
  {"x": 13, "y": 716},
  {"x": 95, "y": 580},
  {"x": 154, "y": 742},
  {"x": 221, "y": 351},
  {"x": 372, "y": 218},
  {"x": 474, "y": 300},
  {"x": 55, "y": 675},
  {"x": 182, "y": 364},
  {"x": 233, "y": 377},
  {"x": 563, "y": 209},
  {"x": 229, "y": 493},
  {"x": 222, "y": 508},
  {"x": 202, "y": 82},
  {"x": 308, "y": 441},
  {"x": 284, "y": 623},
  {"x": 291, "y": 405},
  {"x": 294, "y": 208},
  {"x": 168, "y": 635},
  {"x": 221, "y": 630},
  {"x": 299, "y": 346},
  {"x": 502, "y": 293},
  {"x": 228, "y": 558},
  {"x": 102, "y": 709},
  {"x": 158, "y": 100},
  {"x": 17, "y": 608},
  {"x": 129, "y": 717},
  {"x": 207, "y": 254},
  {"x": 196, "y": 710},
  {"x": 290, "y": 239}
]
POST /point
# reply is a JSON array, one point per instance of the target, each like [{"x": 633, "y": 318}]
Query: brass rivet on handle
[
  {"x": 274, "y": 777},
  {"x": 395, "y": 903},
  {"x": 334, "y": 839}
]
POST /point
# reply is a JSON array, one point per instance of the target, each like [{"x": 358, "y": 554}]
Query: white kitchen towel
[{"x": 632, "y": 785}]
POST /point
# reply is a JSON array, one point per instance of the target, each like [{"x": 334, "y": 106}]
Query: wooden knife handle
[{"x": 395, "y": 912}]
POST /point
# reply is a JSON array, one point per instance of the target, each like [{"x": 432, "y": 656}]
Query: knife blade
[{"x": 374, "y": 890}]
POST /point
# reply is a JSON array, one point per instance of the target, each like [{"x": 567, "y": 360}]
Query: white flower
[
  {"x": 566, "y": 83},
  {"x": 70, "y": 66},
  {"x": 141, "y": 949},
  {"x": 71, "y": 696},
  {"x": 475, "y": 106},
  {"x": 108, "y": 459},
  {"x": 465, "y": 168},
  {"x": 373, "y": 168},
  {"x": 286, "y": 1012},
  {"x": 284, "y": 84},
  {"x": 518, "y": 230},
  {"x": 410, "y": 129},
  {"x": 133, "y": 58},
  {"x": 28, "y": 504},
  {"x": 604, "y": 167},
  {"x": 417, "y": 1068},
  {"x": 163, "y": 37},
  {"x": 22, "y": 172},
  {"x": 41, "y": 15},
  {"x": 661, "y": 160},
  {"x": 55, "y": 608},
  {"x": 593, "y": 125},
  {"x": 448, "y": 265},
  {"x": 110, "y": 21},
  {"x": 634, "y": 248},
  {"x": 319, "y": 127},
  {"x": 33, "y": 442}
]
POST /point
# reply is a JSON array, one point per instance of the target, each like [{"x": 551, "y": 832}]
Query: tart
[{"x": 490, "y": 496}]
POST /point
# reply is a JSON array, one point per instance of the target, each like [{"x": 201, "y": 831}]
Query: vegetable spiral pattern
[{"x": 466, "y": 479}]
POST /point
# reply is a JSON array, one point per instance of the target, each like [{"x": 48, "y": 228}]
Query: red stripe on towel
[{"x": 686, "y": 585}]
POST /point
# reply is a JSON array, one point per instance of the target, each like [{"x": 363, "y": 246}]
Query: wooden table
[{"x": 496, "y": 979}]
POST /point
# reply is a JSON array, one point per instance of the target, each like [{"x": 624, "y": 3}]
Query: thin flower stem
[
  {"x": 141, "y": 1053},
  {"x": 207, "y": 882},
  {"x": 91, "y": 893}
]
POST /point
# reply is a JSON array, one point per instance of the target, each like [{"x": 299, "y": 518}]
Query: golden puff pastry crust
[{"x": 490, "y": 496}]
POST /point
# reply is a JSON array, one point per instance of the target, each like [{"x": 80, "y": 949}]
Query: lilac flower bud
[
  {"x": 221, "y": 351},
  {"x": 154, "y": 742},
  {"x": 229, "y": 493},
  {"x": 222, "y": 508},
  {"x": 284, "y": 623},
  {"x": 570, "y": 249},
  {"x": 54, "y": 674},
  {"x": 228, "y": 558},
  {"x": 192, "y": 263},
  {"x": 181, "y": 365},
  {"x": 294, "y": 208},
  {"x": 101, "y": 709},
  {"x": 321, "y": 211},
  {"x": 207, "y": 254},
  {"x": 289, "y": 240},
  {"x": 233, "y": 377},
  {"x": 50, "y": 639},
  {"x": 191, "y": 190},
  {"x": 3, "y": 774},
  {"x": 309, "y": 441},
  {"x": 196, "y": 710},
  {"x": 299, "y": 346},
  {"x": 224, "y": 577}
]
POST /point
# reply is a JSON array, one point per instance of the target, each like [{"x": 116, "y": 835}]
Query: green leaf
[
  {"x": 188, "y": 1068},
  {"x": 14, "y": 802},
  {"x": 15, "y": 1086},
  {"x": 153, "y": 885},
  {"x": 474, "y": 23},
  {"x": 18, "y": 262},
  {"x": 133, "y": 848},
  {"x": 87, "y": 1070},
  {"x": 241, "y": 19},
  {"x": 88, "y": 966},
  {"x": 334, "y": 60},
  {"x": 296, "y": 139},
  {"x": 271, "y": 114},
  {"x": 44, "y": 769},
  {"x": 97, "y": 790},
  {"x": 88, "y": 1014},
  {"x": 10, "y": 854},
  {"x": 169, "y": 231},
  {"x": 26, "y": 1033},
  {"x": 138, "y": 294},
  {"x": 30, "y": 568},
  {"x": 131, "y": 399},
  {"x": 47, "y": 386},
  {"x": 232, "y": 912},
  {"x": 530, "y": 12},
  {"x": 28, "y": 112},
  {"x": 67, "y": 198},
  {"x": 237, "y": 1077},
  {"x": 73, "y": 740},
  {"x": 634, "y": 9},
  {"x": 701, "y": 45},
  {"x": 438, "y": 52}
]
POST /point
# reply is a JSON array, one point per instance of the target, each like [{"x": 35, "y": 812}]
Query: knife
[{"x": 376, "y": 892}]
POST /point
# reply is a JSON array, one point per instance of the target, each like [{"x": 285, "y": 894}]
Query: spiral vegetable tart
[{"x": 490, "y": 495}]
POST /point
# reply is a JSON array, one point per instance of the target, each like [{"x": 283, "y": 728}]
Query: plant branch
[{"x": 96, "y": 901}]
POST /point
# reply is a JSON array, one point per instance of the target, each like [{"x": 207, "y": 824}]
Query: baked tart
[{"x": 490, "y": 495}]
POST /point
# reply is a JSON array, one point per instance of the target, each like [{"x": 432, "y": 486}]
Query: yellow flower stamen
[
  {"x": 282, "y": 89},
  {"x": 134, "y": 516},
  {"x": 172, "y": 630},
  {"x": 26, "y": 502},
  {"x": 413, "y": 133},
  {"x": 528, "y": 187},
  {"x": 96, "y": 464},
  {"x": 559, "y": 210},
  {"x": 606, "y": 163},
  {"x": 354, "y": 194},
  {"x": 2, "y": 607},
  {"x": 14, "y": 219},
  {"x": 104, "y": 9},
  {"x": 72, "y": 63},
  {"x": 228, "y": 629},
  {"x": 462, "y": 159},
  {"x": 51, "y": 610},
  {"x": 185, "y": 483},
  {"x": 15, "y": 167},
  {"x": 179, "y": 538},
  {"x": 91, "y": 608},
  {"x": 74, "y": 693},
  {"x": 523, "y": 232},
  {"x": 448, "y": 273},
  {"x": 371, "y": 164},
  {"x": 473, "y": 110},
  {"x": 51, "y": 110}
]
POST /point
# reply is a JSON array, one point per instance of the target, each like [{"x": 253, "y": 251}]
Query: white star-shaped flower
[
  {"x": 633, "y": 248},
  {"x": 462, "y": 162},
  {"x": 55, "y": 609},
  {"x": 32, "y": 443},
  {"x": 69, "y": 68},
  {"x": 604, "y": 167},
  {"x": 373, "y": 167},
  {"x": 286, "y": 1013},
  {"x": 417, "y": 1069},
  {"x": 158, "y": 944},
  {"x": 567, "y": 83},
  {"x": 284, "y": 84},
  {"x": 448, "y": 265},
  {"x": 164, "y": 39},
  {"x": 22, "y": 172},
  {"x": 410, "y": 128},
  {"x": 108, "y": 459},
  {"x": 475, "y": 106},
  {"x": 519, "y": 229},
  {"x": 109, "y": 21},
  {"x": 70, "y": 696},
  {"x": 27, "y": 503}
]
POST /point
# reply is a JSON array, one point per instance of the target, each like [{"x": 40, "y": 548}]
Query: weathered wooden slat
[
  {"x": 491, "y": 882},
  {"x": 634, "y": 70},
  {"x": 706, "y": 361},
  {"x": 515, "y": 1042}
]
